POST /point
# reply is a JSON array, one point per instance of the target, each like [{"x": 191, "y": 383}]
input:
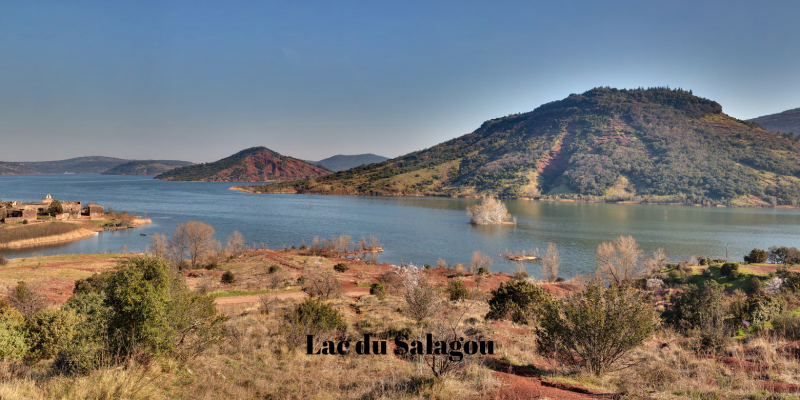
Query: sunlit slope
[{"x": 646, "y": 144}]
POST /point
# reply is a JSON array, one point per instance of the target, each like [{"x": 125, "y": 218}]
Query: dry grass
[{"x": 35, "y": 231}]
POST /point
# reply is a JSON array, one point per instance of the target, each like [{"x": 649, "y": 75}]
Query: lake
[{"x": 414, "y": 229}]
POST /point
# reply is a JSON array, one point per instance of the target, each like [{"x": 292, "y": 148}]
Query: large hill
[
  {"x": 785, "y": 122},
  {"x": 256, "y": 164},
  {"x": 648, "y": 145},
  {"x": 341, "y": 162},
  {"x": 78, "y": 165},
  {"x": 146, "y": 167}
]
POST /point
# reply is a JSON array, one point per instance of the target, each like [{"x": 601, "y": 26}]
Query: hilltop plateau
[
  {"x": 639, "y": 145},
  {"x": 256, "y": 164}
]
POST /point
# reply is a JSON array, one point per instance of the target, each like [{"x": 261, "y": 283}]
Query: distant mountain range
[
  {"x": 256, "y": 164},
  {"x": 647, "y": 145},
  {"x": 341, "y": 162},
  {"x": 146, "y": 167},
  {"x": 81, "y": 165},
  {"x": 785, "y": 122}
]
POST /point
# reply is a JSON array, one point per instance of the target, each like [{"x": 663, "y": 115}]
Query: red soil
[{"x": 523, "y": 383}]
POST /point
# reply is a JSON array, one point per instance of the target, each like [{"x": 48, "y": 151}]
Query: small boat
[{"x": 143, "y": 234}]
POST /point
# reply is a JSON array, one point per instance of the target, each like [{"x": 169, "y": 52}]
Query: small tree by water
[{"x": 491, "y": 211}]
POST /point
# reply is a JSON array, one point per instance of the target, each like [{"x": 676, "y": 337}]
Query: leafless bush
[
  {"x": 446, "y": 327},
  {"x": 27, "y": 300},
  {"x": 158, "y": 245},
  {"x": 322, "y": 284},
  {"x": 480, "y": 260},
  {"x": 618, "y": 261},
  {"x": 276, "y": 280},
  {"x": 550, "y": 262},
  {"x": 421, "y": 297},
  {"x": 267, "y": 304},
  {"x": 206, "y": 285},
  {"x": 441, "y": 263},
  {"x": 490, "y": 211},
  {"x": 393, "y": 282},
  {"x": 235, "y": 244}
]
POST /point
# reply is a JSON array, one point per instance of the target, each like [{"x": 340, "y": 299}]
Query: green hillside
[
  {"x": 146, "y": 167},
  {"x": 641, "y": 145},
  {"x": 785, "y": 122}
]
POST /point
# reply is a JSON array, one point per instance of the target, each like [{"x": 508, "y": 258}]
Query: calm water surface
[{"x": 418, "y": 230}]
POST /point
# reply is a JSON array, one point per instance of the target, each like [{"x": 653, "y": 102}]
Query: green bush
[
  {"x": 212, "y": 266},
  {"x": 341, "y": 267},
  {"x": 706, "y": 273},
  {"x": 95, "y": 283},
  {"x": 49, "y": 331},
  {"x": 317, "y": 316},
  {"x": 696, "y": 305},
  {"x": 759, "y": 308},
  {"x": 55, "y": 208},
  {"x": 456, "y": 290},
  {"x": 522, "y": 275},
  {"x": 228, "y": 278},
  {"x": 728, "y": 268},
  {"x": 756, "y": 256},
  {"x": 273, "y": 269},
  {"x": 753, "y": 284},
  {"x": 13, "y": 345},
  {"x": 427, "y": 266},
  {"x": 703, "y": 261},
  {"x": 378, "y": 289},
  {"x": 787, "y": 325},
  {"x": 483, "y": 271},
  {"x": 734, "y": 275},
  {"x": 519, "y": 301},
  {"x": 24, "y": 222},
  {"x": 597, "y": 328}
]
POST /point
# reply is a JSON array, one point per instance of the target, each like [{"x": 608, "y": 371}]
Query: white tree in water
[{"x": 490, "y": 211}]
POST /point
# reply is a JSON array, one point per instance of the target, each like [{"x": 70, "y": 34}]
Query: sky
[{"x": 199, "y": 81}]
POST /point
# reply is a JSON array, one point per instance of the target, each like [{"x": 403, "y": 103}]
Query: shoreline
[
  {"x": 625, "y": 202},
  {"x": 81, "y": 233}
]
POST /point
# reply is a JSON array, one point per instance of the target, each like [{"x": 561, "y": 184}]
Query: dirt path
[{"x": 522, "y": 383}]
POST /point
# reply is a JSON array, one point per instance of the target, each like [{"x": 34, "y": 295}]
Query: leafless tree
[
  {"x": 618, "y": 261},
  {"x": 422, "y": 299},
  {"x": 158, "y": 245},
  {"x": 657, "y": 263},
  {"x": 322, "y": 284},
  {"x": 374, "y": 243},
  {"x": 193, "y": 238},
  {"x": 550, "y": 262},
  {"x": 490, "y": 211},
  {"x": 26, "y": 299},
  {"x": 441, "y": 263},
  {"x": 235, "y": 244},
  {"x": 480, "y": 260}
]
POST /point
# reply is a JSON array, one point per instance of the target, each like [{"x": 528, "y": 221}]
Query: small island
[{"x": 490, "y": 212}]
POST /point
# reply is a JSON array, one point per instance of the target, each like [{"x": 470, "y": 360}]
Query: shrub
[
  {"x": 519, "y": 301},
  {"x": 456, "y": 290},
  {"x": 322, "y": 285},
  {"x": 427, "y": 266},
  {"x": 378, "y": 289},
  {"x": 703, "y": 261},
  {"x": 734, "y": 275},
  {"x": 422, "y": 299},
  {"x": 522, "y": 275},
  {"x": 311, "y": 317},
  {"x": 596, "y": 329},
  {"x": 759, "y": 308},
  {"x": 706, "y": 272},
  {"x": 93, "y": 284},
  {"x": 27, "y": 300},
  {"x": 341, "y": 267},
  {"x": 273, "y": 269},
  {"x": 48, "y": 332},
  {"x": 228, "y": 278},
  {"x": 756, "y": 256},
  {"x": 55, "y": 208},
  {"x": 13, "y": 345},
  {"x": 696, "y": 305},
  {"x": 728, "y": 268},
  {"x": 24, "y": 222},
  {"x": 3, "y": 260},
  {"x": 212, "y": 266},
  {"x": 483, "y": 271},
  {"x": 788, "y": 325},
  {"x": 753, "y": 284}
]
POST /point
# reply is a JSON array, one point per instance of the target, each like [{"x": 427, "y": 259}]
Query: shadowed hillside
[
  {"x": 146, "y": 167},
  {"x": 341, "y": 162},
  {"x": 785, "y": 122}
]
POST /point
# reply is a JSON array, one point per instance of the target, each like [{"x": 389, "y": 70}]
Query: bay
[{"x": 414, "y": 229}]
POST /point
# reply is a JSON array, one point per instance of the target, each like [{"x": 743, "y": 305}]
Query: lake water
[{"x": 416, "y": 229}]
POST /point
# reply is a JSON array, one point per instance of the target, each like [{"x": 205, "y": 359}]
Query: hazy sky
[{"x": 199, "y": 81}]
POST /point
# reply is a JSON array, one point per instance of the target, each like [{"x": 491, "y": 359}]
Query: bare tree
[
  {"x": 27, "y": 300},
  {"x": 550, "y": 262},
  {"x": 480, "y": 260},
  {"x": 490, "y": 211},
  {"x": 657, "y": 263},
  {"x": 441, "y": 263},
  {"x": 618, "y": 261},
  {"x": 422, "y": 299},
  {"x": 158, "y": 245},
  {"x": 193, "y": 238},
  {"x": 235, "y": 244}
]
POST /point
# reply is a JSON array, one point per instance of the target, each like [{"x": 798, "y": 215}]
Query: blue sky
[{"x": 199, "y": 81}]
